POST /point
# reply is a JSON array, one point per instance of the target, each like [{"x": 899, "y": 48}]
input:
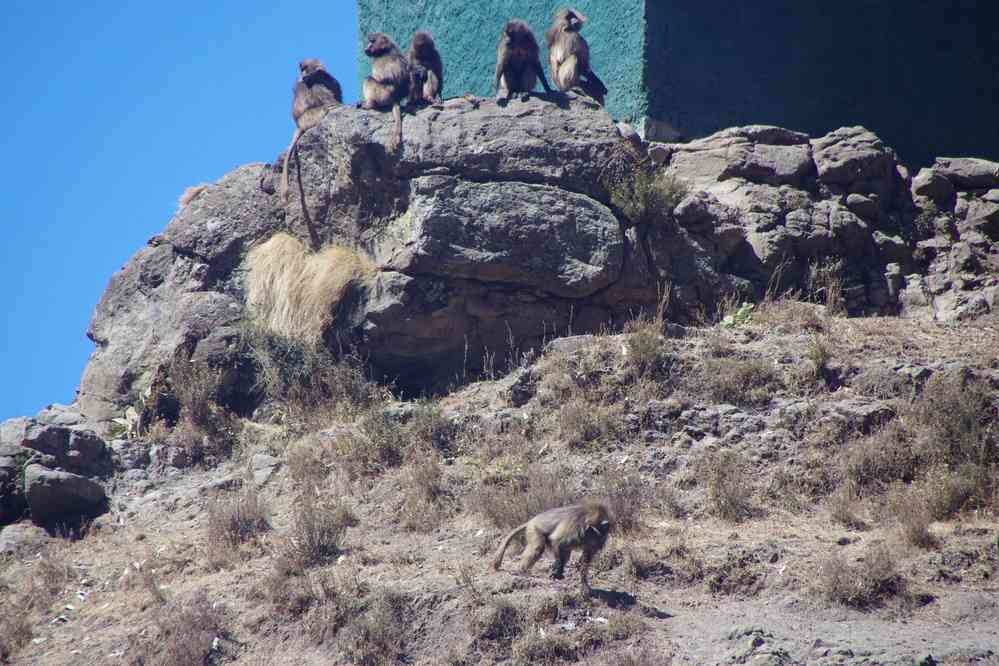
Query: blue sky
[{"x": 106, "y": 119}]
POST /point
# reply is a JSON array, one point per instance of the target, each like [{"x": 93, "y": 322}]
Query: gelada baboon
[
  {"x": 427, "y": 70},
  {"x": 518, "y": 66},
  {"x": 315, "y": 93},
  {"x": 569, "y": 56},
  {"x": 584, "y": 526},
  {"x": 388, "y": 84}
]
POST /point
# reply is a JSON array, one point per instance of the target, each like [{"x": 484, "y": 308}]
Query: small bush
[
  {"x": 423, "y": 493},
  {"x": 729, "y": 492},
  {"x": 378, "y": 636},
  {"x": 15, "y": 629},
  {"x": 843, "y": 506},
  {"x": 948, "y": 492},
  {"x": 907, "y": 509},
  {"x": 625, "y": 495},
  {"x": 237, "y": 518},
  {"x": 499, "y": 622},
  {"x": 867, "y": 584},
  {"x": 535, "y": 648},
  {"x": 649, "y": 197},
  {"x": 184, "y": 632},
  {"x": 317, "y": 530},
  {"x": 513, "y": 503},
  {"x": 312, "y": 383},
  {"x": 582, "y": 424},
  {"x": 205, "y": 430},
  {"x": 642, "y": 657},
  {"x": 737, "y": 381}
]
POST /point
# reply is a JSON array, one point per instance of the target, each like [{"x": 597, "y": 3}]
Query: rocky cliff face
[{"x": 496, "y": 227}]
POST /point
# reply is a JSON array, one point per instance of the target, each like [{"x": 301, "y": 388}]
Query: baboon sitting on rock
[{"x": 584, "y": 526}]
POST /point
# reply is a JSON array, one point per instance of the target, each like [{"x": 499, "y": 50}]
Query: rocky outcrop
[
  {"x": 67, "y": 461},
  {"x": 957, "y": 276},
  {"x": 61, "y": 497},
  {"x": 495, "y": 227}
]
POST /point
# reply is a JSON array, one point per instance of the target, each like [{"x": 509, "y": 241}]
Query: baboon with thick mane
[
  {"x": 389, "y": 82},
  {"x": 315, "y": 93},
  {"x": 584, "y": 526},
  {"x": 427, "y": 70},
  {"x": 569, "y": 56},
  {"x": 518, "y": 66}
]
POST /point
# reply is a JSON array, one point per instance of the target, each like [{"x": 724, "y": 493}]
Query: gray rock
[
  {"x": 55, "y": 497},
  {"x": 930, "y": 183},
  {"x": 263, "y": 466},
  {"x": 130, "y": 454},
  {"x": 77, "y": 451},
  {"x": 968, "y": 173},
  {"x": 22, "y": 540},
  {"x": 865, "y": 207},
  {"x": 528, "y": 235},
  {"x": 59, "y": 415},
  {"x": 853, "y": 156}
]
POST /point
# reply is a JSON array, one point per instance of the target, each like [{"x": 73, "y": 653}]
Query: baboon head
[
  {"x": 423, "y": 44},
  {"x": 379, "y": 44},
  {"x": 519, "y": 38},
  {"x": 310, "y": 66},
  {"x": 571, "y": 20}
]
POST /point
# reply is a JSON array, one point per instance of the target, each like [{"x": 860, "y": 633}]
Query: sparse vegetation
[
  {"x": 869, "y": 583},
  {"x": 649, "y": 197},
  {"x": 318, "y": 526},
  {"x": 184, "y": 632},
  {"x": 515, "y": 502},
  {"x": 729, "y": 493},
  {"x": 236, "y": 518},
  {"x": 295, "y": 293},
  {"x": 378, "y": 636},
  {"x": 737, "y": 381}
]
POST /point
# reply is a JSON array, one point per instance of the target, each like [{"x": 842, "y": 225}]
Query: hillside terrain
[{"x": 306, "y": 427}]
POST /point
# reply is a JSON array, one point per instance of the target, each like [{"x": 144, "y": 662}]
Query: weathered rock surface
[
  {"x": 492, "y": 228},
  {"x": 61, "y": 497}
]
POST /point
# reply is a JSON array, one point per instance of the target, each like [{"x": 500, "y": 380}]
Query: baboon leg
[
  {"x": 561, "y": 559},
  {"x": 567, "y": 75},
  {"x": 284, "y": 171},
  {"x": 534, "y": 548}
]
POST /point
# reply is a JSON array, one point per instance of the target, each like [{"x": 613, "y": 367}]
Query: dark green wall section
[
  {"x": 924, "y": 75},
  {"x": 467, "y": 32}
]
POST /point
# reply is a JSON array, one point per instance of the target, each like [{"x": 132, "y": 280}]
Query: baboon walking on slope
[
  {"x": 569, "y": 56},
  {"x": 583, "y": 526}
]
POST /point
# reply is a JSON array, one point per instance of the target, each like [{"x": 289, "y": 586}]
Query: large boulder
[
  {"x": 75, "y": 450},
  {"x": 56, "y": 497}
]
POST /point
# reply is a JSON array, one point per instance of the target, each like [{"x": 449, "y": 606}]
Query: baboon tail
[
  {"x": 397, "y": 112},
  {"x": 498, "y": 560}
]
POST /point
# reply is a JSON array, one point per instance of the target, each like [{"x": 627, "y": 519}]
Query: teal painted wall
[
  {"x": 923, "y": 74},
  {"x": 467, "y": 32}
]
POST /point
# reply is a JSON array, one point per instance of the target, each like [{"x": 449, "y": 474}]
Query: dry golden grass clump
[
  {"x": 190, "y": 194},
  {"x": 293, "y": 292}
]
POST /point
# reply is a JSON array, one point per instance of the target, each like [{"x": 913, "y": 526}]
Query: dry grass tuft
[
  {"x": 729, "y": 491},
  {"x": 500, "y": 622},
  {"x": 379, "y": 635},
  {"x": 317, "y": 530},
  {"x": 516, "y": 501},
  {"x": 423, "y": 495},
  {"x": 190, "y": 194},
  {"x": 184, "y": 633},
  {"x": 237, "y": 518},
  {"x": 866, "y": 584},
  {"x": 293, "y": 292}
]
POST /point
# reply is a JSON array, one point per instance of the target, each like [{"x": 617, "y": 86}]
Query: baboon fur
[
  {"x": 389, "y": 82},
  {"x": 583, "y": 526},
  {"x": 569, "y": 56},
  {"x": 518, "y": 66},
  {"x": 427, "y": 70},
  {"x": 315, "y": 93}
]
